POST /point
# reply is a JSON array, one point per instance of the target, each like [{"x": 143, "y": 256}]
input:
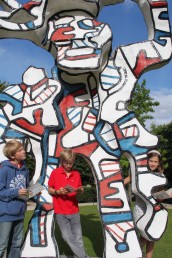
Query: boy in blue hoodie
[{"x": 14, "y": 179}]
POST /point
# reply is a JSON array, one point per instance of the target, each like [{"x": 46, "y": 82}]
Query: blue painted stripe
[
  {"x": 71, "y": 110},
  {"x": 161, "y": 37},
  {"x": 52, "y": 160},
  {"x": 13, "y": 134},
  {"x": 110, "y": 76},
  {"x": 77, "y": 114},
  {"x": 17, "y": 92},
  {"x": 120, "y": 217},
  {"x": 108, "y": 83},
  {"x": 164, "y": 15},
  {"x": 30, "y": 25},
  {"x": 97, "y": 51},
  {"x": 8, "y": 88},
  {"x": 17, "y": 106},
  {"x": 35, "y": 229},
  {"x": 75, "y": 124},
  {"x": 111, "y": 140},
  {"x": 110, "y": 66},
  {"x": 106, "y": 132},
  {"x": 2, "y": 116},
  {"x": 98, "y": 136},
  {"x": 126, "y": 118},
  {"x": 129, "y": 145},
  {"x": 2, "y": 126}
]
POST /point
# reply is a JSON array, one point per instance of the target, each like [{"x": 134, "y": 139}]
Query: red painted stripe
[
  {"x": 113, "y": 170},
  {"x": 109, "y": 163},
  {"x": 142, "y": 162},
  {"x": 159, "y": 4},
  {"x": 143, "y": 62},
  {"x": 80, "y": 57},
  {"x": 129, "y": 224},
  {"x": 92, "y": 117},
  {"x": 89, "y": 123},
  {"x": 134, "y": 128},
  {"x": 122, "y": 239},
  {"x": 39, "y": 84},
  {"x": 120, "y": 228}
]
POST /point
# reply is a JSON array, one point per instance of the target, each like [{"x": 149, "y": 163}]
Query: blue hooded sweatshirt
[{"x": 12, "y": 179}]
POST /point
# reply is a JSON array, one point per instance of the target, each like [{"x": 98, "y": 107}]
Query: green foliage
[
  {"x": 30, "y": 163},
  {"x": 124, "y": 163},
  {"x": 142, "y": 104},
  {"x": 89, "y": 195},
  {"x": 85, "y": 170},
  {"x": 3, "y": 86},
  {"x": 164, "y": 133}
]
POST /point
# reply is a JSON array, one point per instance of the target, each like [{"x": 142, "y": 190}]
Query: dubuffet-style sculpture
[{"x": 83, "y": 106}]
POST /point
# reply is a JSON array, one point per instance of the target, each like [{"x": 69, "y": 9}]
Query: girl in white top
[{"x": 155, "y": 166}]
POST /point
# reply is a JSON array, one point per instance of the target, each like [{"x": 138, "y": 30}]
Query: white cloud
[{"x": 163, "y": 113}]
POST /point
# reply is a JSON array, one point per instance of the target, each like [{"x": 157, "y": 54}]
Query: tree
[
  {"x": 85, "y": 169},
  {"x": 3, "y": 85},
  {"x": 142, "y": 103}
]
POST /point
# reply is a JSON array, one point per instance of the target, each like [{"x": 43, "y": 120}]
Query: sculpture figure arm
[
  {"x": 23, "y": 21},
  {"x": 157, "y": 50}
]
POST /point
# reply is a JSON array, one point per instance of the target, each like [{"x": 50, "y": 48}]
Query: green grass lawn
[{"x": 93, "y": 236}]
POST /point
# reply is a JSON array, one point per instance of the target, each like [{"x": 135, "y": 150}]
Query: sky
[{"x": 128, "y": 27}]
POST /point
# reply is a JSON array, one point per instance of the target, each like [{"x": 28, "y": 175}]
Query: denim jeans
[
  {"x": 70, "y": 228},
  {"x": 11, "y": 236}
]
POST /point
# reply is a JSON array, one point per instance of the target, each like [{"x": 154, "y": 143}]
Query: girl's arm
[{"x": 127, "y": 180}]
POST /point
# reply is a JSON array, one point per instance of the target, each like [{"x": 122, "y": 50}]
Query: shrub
[{"x": 89, "y": 195}]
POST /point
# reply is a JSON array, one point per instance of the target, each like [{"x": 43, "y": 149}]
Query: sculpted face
[{"x": 81, "y": 42}]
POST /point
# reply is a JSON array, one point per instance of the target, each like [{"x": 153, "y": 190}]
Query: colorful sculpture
[{"x": 84, "y": 107}]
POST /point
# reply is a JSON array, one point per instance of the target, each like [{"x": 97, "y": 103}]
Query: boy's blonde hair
[
  {"x": 67, "y": 155},
  {"x": 11, "y": 147}
]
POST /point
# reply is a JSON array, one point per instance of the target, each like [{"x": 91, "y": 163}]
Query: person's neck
[
  {"x": 16, "y": 163},
  {"x": 68, "y": 173}
]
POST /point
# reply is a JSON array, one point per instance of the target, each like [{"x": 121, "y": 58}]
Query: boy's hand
[
  {"x": 23, "y": 191},
  {"x": 63, "y": 191},
  {"x": 80, "y": 190}
]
